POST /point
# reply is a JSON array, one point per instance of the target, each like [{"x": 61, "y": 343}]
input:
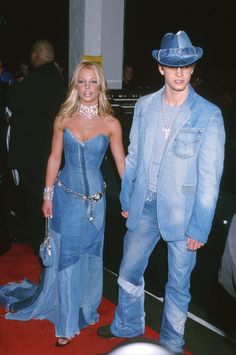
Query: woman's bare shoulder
[
  {"x": 64, "y": 123},
  {"x": 113, "y": 125},
  {"x": 112, "y": 120}
]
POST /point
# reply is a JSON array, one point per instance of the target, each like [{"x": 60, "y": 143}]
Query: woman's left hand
[{"x": 47, "y": 208}]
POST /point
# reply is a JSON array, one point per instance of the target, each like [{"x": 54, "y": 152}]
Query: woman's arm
[
  {"x": 116, "y": 145},
  {"x": 53, "y": 166}
]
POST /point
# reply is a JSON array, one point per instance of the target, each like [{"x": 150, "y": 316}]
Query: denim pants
[{"x": 129, "y": 318}]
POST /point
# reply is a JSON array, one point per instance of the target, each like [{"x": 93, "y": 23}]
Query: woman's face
[{"x": 88, "y": 87}]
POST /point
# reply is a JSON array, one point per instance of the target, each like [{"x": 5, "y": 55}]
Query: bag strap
[
  {"x": 47, "y": 227},
  {"x": 47, "y": 237}
]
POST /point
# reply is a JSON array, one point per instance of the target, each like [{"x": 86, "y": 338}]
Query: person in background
[
  {"x": 5, "y": 240},
  {"x": 22, "y": 71},
  {"x": 6, "y": 79},
  {"x": 70, "y": 290},
  {"x": 227, "y": 270},
  {"x": 34, "y": 103},
  {"x": 5, "y": 76},
  {"x": 169, "y": 190},
  {"x": 128, "y": 78}
]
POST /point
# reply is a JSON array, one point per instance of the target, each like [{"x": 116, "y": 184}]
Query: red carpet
[{"x": 36, "y": 337}]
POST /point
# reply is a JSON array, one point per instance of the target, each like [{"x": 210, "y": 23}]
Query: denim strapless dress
[{"x": 70, "y": 291}]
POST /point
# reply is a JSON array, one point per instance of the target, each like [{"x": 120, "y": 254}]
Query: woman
[{"x": 70, "y": 291}]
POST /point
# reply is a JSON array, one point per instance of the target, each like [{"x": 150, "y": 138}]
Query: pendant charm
[
  {"x": 166, "y": 130},
  {"x": 167, "y": 122}
]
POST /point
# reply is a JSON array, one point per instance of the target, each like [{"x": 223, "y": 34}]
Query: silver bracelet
[{"x": 48, "y": 193}]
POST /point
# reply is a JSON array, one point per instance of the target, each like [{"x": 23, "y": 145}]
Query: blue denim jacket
[{"x": 190, "y": 171}]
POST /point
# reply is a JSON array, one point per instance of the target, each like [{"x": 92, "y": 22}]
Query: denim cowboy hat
[{"x": 177, "y": 50}]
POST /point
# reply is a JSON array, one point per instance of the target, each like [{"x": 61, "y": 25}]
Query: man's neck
[{"x": 174, "y": 97}]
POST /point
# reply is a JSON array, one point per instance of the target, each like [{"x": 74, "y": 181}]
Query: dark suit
[
  {"x": 34, "y": 104},
  {"x": 5, "y": 242}
]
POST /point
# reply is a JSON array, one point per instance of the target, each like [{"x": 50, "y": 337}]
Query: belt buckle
[{"x": 97, "y": 196}]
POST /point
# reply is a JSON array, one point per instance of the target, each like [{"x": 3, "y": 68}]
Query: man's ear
[
  {"x": 161, "y": 69},
  {"x": 193, "y": 66}
]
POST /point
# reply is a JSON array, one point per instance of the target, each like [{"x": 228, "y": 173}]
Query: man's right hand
[{"x": 125, "y": 214}]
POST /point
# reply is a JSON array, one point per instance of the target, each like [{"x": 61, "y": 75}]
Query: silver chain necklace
[
  {"x": 167, "y": 126},
  {"x": 88, "y": 112}
]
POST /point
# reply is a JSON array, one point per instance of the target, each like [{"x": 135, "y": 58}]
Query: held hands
[
  {"x": 193, "y": 244},
  {"x": 125, "y": 214},
  {"x": 47, "y": 208}
]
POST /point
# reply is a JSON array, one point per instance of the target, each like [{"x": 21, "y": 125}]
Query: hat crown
[
  {"x": 178, "y": 40},
  {"x": 177, "y": 50}
]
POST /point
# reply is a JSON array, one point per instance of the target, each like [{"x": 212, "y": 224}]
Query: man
[
  {"x": 34, "y": 103},
  {"x": 169, "y": 190}
]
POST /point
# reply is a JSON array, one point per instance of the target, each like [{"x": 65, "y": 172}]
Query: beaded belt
[{"x": 93, "y": 198}]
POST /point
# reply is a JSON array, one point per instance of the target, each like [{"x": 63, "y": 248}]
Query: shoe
[
  {"x": 65, "y": 341},
  {"x": 105, "y": 332}
]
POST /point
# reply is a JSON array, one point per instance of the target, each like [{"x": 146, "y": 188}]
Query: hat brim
[{"x": 177, "y": 59}]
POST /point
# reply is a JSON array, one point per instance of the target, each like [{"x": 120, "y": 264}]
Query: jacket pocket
[{"x": 186, "y": 142}]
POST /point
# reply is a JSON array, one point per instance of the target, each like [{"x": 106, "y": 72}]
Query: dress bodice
[{"x": 83, "y": 160}]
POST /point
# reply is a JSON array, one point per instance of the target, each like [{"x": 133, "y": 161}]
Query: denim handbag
[{"x": 45, "y": 250}]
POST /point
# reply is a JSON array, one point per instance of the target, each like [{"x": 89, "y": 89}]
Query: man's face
[
  {"x": 128, "y": 74},
  {"x": 24, "y": 69},
  {"x": 177, "y": 78}
]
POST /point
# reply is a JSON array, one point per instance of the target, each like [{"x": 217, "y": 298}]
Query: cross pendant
[{"x": 166, "y": 131}]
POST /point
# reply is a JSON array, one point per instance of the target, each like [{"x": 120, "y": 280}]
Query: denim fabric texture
[
  {"x": 190, "y": 171},
  {"x": 70, "y": 290},
  {"x": 184, "y": 206},
  {"x": 177, "y": 50},
  {"x": 129, "y": 318}
]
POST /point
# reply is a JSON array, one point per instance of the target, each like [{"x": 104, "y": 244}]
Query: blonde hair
[{"x": 70, "y": 105}]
